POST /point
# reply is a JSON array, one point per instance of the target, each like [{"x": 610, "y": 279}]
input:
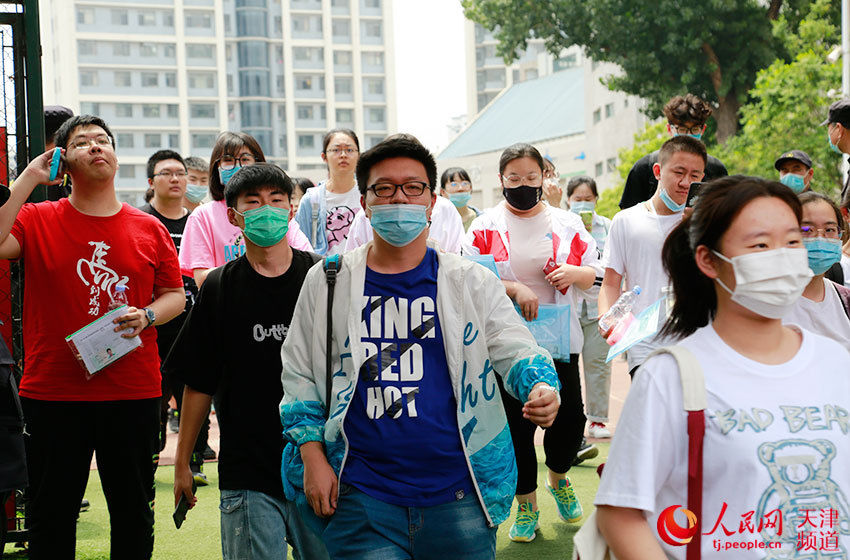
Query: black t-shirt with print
[
  {"x": 168, "y": 332},
  {"x": 230, "y": 347}
]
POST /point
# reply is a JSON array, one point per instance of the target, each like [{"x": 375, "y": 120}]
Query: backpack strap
[
  {"x": 844, "y": 296},
  {"x": 314, "y": 223},
  {"x": 332, "y": 266},
  {"x": 695, "y": 403}
]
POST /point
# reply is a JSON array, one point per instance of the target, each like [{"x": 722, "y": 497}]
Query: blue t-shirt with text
[{"x": 404, "y": 443}]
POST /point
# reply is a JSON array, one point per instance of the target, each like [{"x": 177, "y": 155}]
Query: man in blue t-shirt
[{"x": 425, "y": 467}]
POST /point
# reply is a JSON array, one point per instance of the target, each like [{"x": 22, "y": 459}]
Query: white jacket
[{"x": 571, "y": 244}]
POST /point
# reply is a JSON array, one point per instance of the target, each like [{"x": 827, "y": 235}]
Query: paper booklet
[{"x": 97, "y": 345}]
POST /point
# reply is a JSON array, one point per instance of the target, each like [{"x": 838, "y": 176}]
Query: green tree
[
  {"x": 712, "y": 48},
  {"x": 789, "y": 102}
]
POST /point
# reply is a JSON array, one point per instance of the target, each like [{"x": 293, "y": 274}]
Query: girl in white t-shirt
[
  {"x": 776, "y": 463},
  {"x": 821, "y": 309}
]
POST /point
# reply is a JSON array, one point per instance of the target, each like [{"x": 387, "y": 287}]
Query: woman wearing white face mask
[
  {"x": 776, "y": 421},
  {"x": 582, "y": 196},
  {"x": 823, "y": 307}
]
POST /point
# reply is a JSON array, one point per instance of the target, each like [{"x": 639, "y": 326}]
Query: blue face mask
[
  {"x": 694, "y": 136},
  {"x": 195, "y": 193},
  {"x": 460, "y": 199},
  {"x": 794, "y": 182},
  {"x": 226, "y": 174},
  {"x": 582, "y": 206},
  {"x": 823, "y": 253},
  {"x": 670, "y": 203},
  {"x": 832, "y": 146},
  {"x": 398, "y": 224}
]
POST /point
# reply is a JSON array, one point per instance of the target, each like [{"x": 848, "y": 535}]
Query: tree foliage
[
  {"x": 712, "y": 48},
  {"x": 789, "y": 101}
]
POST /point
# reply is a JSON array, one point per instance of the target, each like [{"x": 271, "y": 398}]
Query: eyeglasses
[
  {"x": 229, "y": 162},
  {"x": 461, "y": 185},
  {"x": 347, "y": 151},
  {"x": 101, "y": 141},
  {"x": 170, "y": 174},
  {"x": 685, "y": 130},
  {"x": 517, "y": 180},
  {"x": 409, "y": 188},
  {"x": 829, "y": 232}
]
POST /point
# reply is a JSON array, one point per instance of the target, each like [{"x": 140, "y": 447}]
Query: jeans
[
  {"x": 561, "y": 440},
  {"x": 364, "y": 528},
  {"x": 61, "y": 437},
  {"x": 597, "y": 374},
  {"x": 256, "y": 526}
]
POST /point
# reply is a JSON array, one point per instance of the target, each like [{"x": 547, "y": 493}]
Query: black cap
[
  {"x": 798, "y": 155},
  {"x": 839, "y": 112}
]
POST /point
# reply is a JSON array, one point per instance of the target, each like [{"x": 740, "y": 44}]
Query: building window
[
  {"x": 340, "y": 28},
  {"x": 203, "y": 141},
  {"x": 611, "y": 165},
  {"x": 279, "y": 84},
  {"x": 147, "y": 49},
  {"x": 304, "y": 83},
  {"x": 150, "y": 79},
  {"x": 127, "y": 172},
  {"x": 120, "y": 17},
  {"x": 626, "y": 102},
  {"x": 120, "y": 49},
  {"x": 599, "y": 169},
  {"x": 372, "y": 3},
  {"x": 124, "y": 110},
  {"x": 123, "y": 79},
  {"x": 373, "y": 59},
  {"x": 201, "y": 80},
  {"x": 195, "y": 50},
  {"x": 343, "y": 86},
  {"x": 147, "y": 19},
  {"x": 125, "y": 140},
  {"x": 168, "y": 50},
  {"x": 173, "y": 111},
  {"x": 87, "y": 108},
  {"x": 609, "y": 110},
  {"x": 306, "y": 141},
  {"x": 202, "y": 110},
  {"x": 170, "y": 79},
  {"x": 153, "y": 140},
  {"x": 168, "y": 19},
  {"x": 374, "y": 86},
  {"x": 174, "y": 141},
  {"x": 200, "y": 20},
  {"x": 86, "y": 48},
  {"x": 342, "y": 58},
  {"x": 339, "y": 4},
  {"x": 305, "y": 112},
  {"x": 372, "y": 29},
  {"x": 344, "y": 116},
  {"x": 281, "y": 113},
  {"x": 150, "y": 111},
  {"x": 597, "y": 116},
  {"x": 85, "y": 16},
  {"x": 376, "y": 115}
]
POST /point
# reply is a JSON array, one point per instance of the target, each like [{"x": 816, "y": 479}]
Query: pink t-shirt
[{"x": 210, "y": 240}]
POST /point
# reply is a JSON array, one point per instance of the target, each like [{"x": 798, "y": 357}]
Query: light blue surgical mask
[
  {"x": 267, "y": 225},
  {"x": 226, "y": 174},
  {"x": 795, "y": 182},
  {"x": 582, "y": 206},
  {"x": 823, "y": 253},
  {"x": 670, "y": 203},
  {"x": 195, "y": 193},
  {"x": 832, "y": 146},
  {"x": 694, "y": 136},
  {"x": 398, "y": 224},
  {"x": 460, "y": 199}
]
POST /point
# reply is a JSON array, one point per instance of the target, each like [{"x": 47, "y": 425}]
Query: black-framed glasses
[
  {"x": 169, "y": 174},
  {"x": 347, "y": 151},
  {"x": 686, "y": 130},
  {"x": 829, "y": 232},
  {"x": 409, "y": 188},
  {"x": 229, "y": 162}
]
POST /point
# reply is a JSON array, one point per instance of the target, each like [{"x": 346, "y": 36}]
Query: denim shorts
[
  {"x": 256, "y": 526},
  {"x": 364, "y": 528}
]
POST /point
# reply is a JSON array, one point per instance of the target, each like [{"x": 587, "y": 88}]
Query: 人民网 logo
[{"x": 669, "y": 529}]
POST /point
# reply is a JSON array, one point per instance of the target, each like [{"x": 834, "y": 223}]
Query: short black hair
[
  {"x": 520, "y": 150},
  {"x": 230, "y": 143},
  {"x": 451, "y": 173},
  {"x": 303, "y": 183},
  {"x": 54, "y": 117},
  {"x": 681, "y": 143},
  {"x": 397, "y": 145},
  {"x": 257, "y": 175},
  {"x": 64, "y": 132},
  {"x": 162, "y": 155},
  {"x": 326, "y": 139},
  {"x": 196, "y": 163},
  {"x": 576, "y": 182}
]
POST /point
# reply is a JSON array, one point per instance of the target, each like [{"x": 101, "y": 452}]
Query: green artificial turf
[{"x": 199, "y": 536}]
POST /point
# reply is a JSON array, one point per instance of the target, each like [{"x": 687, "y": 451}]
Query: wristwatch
[{"x": 150, "y": 315}]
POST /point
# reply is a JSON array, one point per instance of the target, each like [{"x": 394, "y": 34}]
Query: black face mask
[{"x": 523, "y": 197}]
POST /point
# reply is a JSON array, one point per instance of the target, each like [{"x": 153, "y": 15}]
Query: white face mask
[{"x": 769, "y": 283}]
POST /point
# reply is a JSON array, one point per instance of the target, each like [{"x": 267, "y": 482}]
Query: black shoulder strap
[{"x": 332, "y": 267}]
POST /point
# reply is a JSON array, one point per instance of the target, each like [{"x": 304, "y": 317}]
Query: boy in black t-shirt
[{"x": 230, "y": 347}]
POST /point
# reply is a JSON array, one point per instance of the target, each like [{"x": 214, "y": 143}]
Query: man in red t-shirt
[{"x": 76, "y": 252}]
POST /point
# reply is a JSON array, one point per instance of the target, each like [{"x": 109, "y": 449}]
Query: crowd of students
[{"x": 354, "y": 317}]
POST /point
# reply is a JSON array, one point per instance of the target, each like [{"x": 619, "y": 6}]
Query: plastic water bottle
[
  {"x": 621, "y": 308},
  {"x": 118, "y": 297}
]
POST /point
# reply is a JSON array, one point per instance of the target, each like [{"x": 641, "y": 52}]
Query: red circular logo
[{"x": 671, "y": 532}]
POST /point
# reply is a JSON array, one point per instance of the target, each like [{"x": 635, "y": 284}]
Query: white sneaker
[{"x": 598, "y": 430}]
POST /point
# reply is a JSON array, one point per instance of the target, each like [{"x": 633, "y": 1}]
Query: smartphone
[
  {"x": 693, "y": 193},
  {"x": 183, "y": 507},
  {"x": 55, "y": 164}
]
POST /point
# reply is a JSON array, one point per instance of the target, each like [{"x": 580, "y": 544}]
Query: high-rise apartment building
[{"x": 174, "y": 73}]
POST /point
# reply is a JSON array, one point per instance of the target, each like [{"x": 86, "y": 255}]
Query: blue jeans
[
  {"x": 364, "y": 528},
  {"x": 256, "y": 526}
]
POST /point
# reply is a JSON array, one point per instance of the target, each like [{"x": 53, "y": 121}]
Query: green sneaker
[
  {"x": 523, "y": 529},
  {"x": 569, "y": 508}
]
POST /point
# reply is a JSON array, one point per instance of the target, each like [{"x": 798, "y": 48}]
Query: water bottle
[
  {"x": 118, "y": 297},
  {"x": 621, "y": 308}
]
